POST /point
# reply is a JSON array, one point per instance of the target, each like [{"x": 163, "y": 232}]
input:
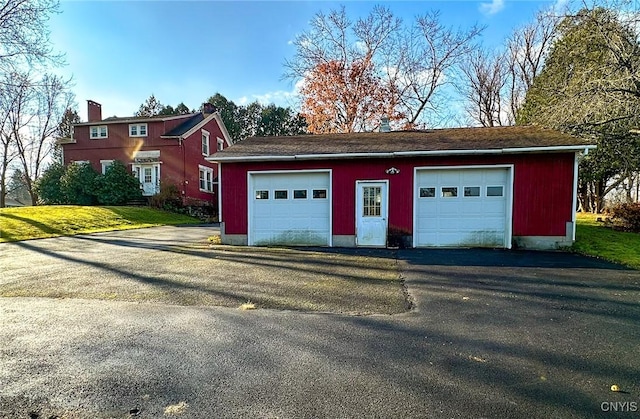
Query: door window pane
[
  {"x": 371, "y": 201},
  {"x": 427, "y": 192},
  {"x": 319, "y": 194},
  {"x": 450, "y": 192},
  {"x": 494, "y": 191},
  {"x": 300, "y": 194},
  {"x": 280, "y": 195},
  {"x": 471, "y": 191},
  {"x": 262, "y": 194},
  {"x": 147, "y": 175}
]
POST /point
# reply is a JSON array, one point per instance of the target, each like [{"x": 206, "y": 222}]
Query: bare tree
[
  {"x": 428, "y": 55},
  {"x": 376, "y": 67},
  {"x": 33, "y": 120},
  {"x": 24, "y": 35},
  {"x": 527, "y": 49},
  {"x": 484, "y": 75},
  {"x": 13, "y": 94},
  {"x": 337, "y": 60}
]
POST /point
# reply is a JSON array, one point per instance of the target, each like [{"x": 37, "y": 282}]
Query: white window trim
[
  {"x": 105, "y": 164},
  {"x": 81, "y": 162},
  {"x": 207, "y": 135},
  {"x": 209, "y": 170},
  {"x": 138, "y": 126},
  {"x": 98, "y": 128},
  {"x": 220, "y": 144}
]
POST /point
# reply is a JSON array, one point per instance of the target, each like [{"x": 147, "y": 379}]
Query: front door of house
[
  {"x": 371, "y": 213},
  {"x": 149, "y": 177}
]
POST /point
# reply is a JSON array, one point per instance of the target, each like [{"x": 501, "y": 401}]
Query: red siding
[
  {"x": 180, "y": 161},
  {"x": 543, "y": 189},
  {"x": 543, "y": 195}
]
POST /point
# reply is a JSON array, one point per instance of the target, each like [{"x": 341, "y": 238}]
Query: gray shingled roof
[
  {"x": 452, "y": 139},
  {"x": 185, "y": 126}
]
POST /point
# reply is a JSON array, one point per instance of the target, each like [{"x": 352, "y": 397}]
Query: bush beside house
[{"x": 80, "y": 184}]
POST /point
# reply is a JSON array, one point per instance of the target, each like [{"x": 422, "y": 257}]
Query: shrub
[
  {"x": 168, "y": 199},
  {"x": 117, "y": 186},
  {"x": 78, "y": 184},
  {"x": 49, "y": 188},
  {"x": 626, "y": 216}
]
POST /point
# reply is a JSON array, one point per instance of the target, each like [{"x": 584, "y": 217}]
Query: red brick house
[
  {"x": 160, "y": 150},
  {"x": 464, "y": 187}
]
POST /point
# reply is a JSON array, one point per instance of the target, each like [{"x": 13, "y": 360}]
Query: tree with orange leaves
[
  {"x": 354, "y": 73},
  {"x": 341, "y": 97}
]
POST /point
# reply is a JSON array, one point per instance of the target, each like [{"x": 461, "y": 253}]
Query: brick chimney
[
  {"x": 94, "y": 111},
  {"x": 208, "y": 108}
]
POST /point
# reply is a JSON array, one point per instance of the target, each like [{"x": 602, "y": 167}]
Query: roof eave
[{"x": 513, "y": 150}]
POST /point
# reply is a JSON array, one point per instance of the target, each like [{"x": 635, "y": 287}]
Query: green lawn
[
  {"x": 65, "y": 220},
  {"x": 593, "y": 239}
]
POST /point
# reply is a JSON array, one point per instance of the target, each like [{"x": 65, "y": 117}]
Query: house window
[
  {"x": 220, "y": 144},
  {"x": 427, "y": 192},
  {"x": 205, "y": 143},
  {"x": 450, "y": 192},
  {"x": 97, "y": 132},
  {"x": 105, "y": 164},
  {"x": 470, "y": 191},
  {"x": 262, "y": 194},
  {"x": 81, "y": 162},
  {"x": 280, "y": 194},
  {"x": 137, "y": 130},
  {"x": 300, "y": 194},
  {"x": 206, "y": 179},
  {"x": 495, "y": 191}
]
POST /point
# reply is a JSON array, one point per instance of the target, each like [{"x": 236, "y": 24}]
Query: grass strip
[{"x": 17, "y": 224}]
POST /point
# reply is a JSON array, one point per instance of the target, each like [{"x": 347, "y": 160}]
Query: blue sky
[{"x": 119, "y": 52}]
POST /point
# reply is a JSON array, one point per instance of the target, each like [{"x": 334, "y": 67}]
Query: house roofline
[
  {"x": 199, "y": 125},
  {"x": 512, "y": 150},
  {"x": 134, "y": 120}
]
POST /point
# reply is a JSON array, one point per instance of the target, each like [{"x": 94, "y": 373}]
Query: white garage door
[
  {"x": 289, "y": 209},
  {"x": 462, "y": 207}
]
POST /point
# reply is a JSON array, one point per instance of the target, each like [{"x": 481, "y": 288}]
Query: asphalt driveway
[{"x": 492, "y": 334}]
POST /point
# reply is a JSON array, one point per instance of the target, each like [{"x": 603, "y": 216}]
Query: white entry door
[
  {"x": 149, "y": 177},
  {"x": 371, "y": 213}
]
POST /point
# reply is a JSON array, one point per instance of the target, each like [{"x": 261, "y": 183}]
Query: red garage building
[{"x": 463, "y": 187}]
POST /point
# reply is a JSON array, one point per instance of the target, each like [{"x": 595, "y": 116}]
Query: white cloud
[
  {"x": 284, "y": 98},
  {"x": 492, "y": 8}
]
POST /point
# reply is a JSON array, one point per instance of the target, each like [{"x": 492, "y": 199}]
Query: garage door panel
[
  {"x": 290, "y": 221},
  {"x": 461, "y": 221}
]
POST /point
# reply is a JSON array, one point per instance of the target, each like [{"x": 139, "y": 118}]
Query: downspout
[
  {"x": 574, "y": 203},
  {"x": 184, "y": 171},
  {"x": 576, "y": 163}
]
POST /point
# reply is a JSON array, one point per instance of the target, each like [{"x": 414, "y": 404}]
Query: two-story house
[{"x": 160, "y": 150}]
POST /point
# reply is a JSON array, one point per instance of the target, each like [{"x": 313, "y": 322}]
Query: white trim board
[{"x": 523, "y": 150}]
